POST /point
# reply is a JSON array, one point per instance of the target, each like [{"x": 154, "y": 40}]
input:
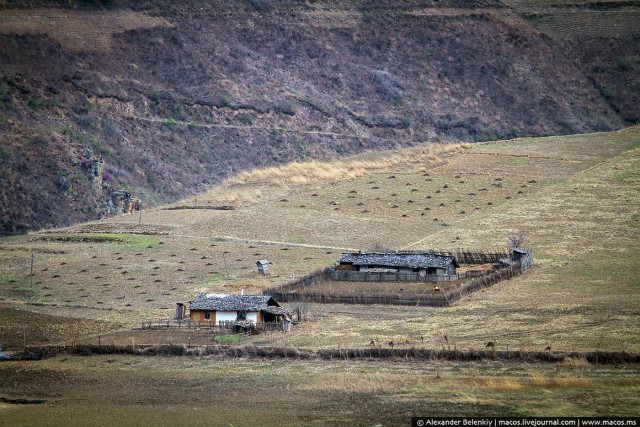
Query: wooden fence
[
  {"x": 325, "y": 298},
  {"x": 484, "y": 282},
  {"x": 367, "y": 276},
  {"x": 292, "y": 291},
  {"x": 226, "y": 325}
]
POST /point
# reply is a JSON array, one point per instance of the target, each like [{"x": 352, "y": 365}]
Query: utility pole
[
  {"x": 31, "y": 274},
  {"x": 224, "y": 258},
  {"x": 140, "y": 209}
]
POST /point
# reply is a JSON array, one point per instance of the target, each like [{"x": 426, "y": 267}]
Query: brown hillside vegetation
[{"x": 168, "y": 98}]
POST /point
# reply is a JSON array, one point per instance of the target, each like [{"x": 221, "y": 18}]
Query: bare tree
[
  {"x": 518, "y": 237},
  {"x": 301, "y": 311}
]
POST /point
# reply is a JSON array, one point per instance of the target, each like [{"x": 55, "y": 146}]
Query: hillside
[
  {"x": 577, "y": 196},
  {"x": 168, "y": 98},
  {"x": 94, "y": 283}
]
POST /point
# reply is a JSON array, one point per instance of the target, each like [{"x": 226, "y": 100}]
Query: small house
[
  {"x": 217, "y": 308},
  {"x": 263, "y": 267},
  {"x": 403, "y": 264}
]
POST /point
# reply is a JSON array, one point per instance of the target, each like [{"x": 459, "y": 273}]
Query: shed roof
[
  {"x": 399, "y": 259},
  {"x": 263, "y": 262},
  {"x": 221, "y": 302}
]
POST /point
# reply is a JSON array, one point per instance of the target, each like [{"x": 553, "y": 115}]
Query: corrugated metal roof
[
  {"x": 263, "y": 262},
  {"x": 398, "y": 259},
  {"x": 220, "y": 302}
]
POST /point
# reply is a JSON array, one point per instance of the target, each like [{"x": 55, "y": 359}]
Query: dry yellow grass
[
  {"x": 76, "y": 30},
  {"x": 317, "y": 172},
  {"x": 576, "y": 362},
  {"x": 543, "y": 380},
  {"x": 500, "y": 383},
  {"x": 359, "y": 382}
]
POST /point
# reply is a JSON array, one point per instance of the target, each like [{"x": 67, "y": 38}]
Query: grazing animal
[
  {"x": 436, "y": 288},
  {"x": 391, "y": 344},
  {"x": 548, "y": 348},
  {"x": 491, "y": 344},
  {"x": 134, "y": 205},
  {"x": 372, "y": 343}
]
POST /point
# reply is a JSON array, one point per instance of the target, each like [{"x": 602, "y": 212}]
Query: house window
[
  {"x": 207, "y": 315},
  {"x": 242, "y": 315}
]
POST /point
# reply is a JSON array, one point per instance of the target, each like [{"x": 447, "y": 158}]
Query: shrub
[
  {"x": 6, "y": 99},
  {"x": 110, "y": 128},
  {"x": 260, "y": 6},
  {"x": 225, "y": 101},
  {"x": 246, "y": 118},
  {"x": 169, "y": 123},
  {"x": 154, "y": 96},
  {"x": 607, "y": 92},
  {"x": 625, "y": 64},
  {"x": 388, "y": 86},
  {"x": 284, "y": 108},
  {"x": 86, "y": 120},
  {"x": 34, "y": 104}
]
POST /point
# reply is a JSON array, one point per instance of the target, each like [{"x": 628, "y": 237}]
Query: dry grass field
[
  {"x": 578, "y": 196},
  {"x": 129, "y": 390}
]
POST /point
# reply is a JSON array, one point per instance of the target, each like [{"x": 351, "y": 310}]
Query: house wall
[
  {"x": 198, "y": 316},
  {"x": 222, "y": 316}
]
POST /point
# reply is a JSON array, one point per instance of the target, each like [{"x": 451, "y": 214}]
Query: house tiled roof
[
  {"x": 398, "y": 259},
  {"x": 220, "y": 302}
]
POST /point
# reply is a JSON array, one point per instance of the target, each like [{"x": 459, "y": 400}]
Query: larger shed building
[{"x": 405, "y": 266}]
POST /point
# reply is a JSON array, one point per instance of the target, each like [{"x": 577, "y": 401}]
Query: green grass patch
[
  {"x": 227, "y": 339},
  {"x": 217, "y": 277},
  {"x": 80, "y": 238},
  {"x": 140, "y": 242}
]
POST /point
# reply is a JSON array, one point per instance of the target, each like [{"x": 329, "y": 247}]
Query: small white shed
[{"x": 263, "y": 267}]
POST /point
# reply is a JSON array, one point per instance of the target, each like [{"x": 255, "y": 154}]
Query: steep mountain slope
[{"x": 167, "y": 98}]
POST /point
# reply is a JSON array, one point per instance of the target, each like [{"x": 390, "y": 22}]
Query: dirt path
[{"x": 269, "y": 128}]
